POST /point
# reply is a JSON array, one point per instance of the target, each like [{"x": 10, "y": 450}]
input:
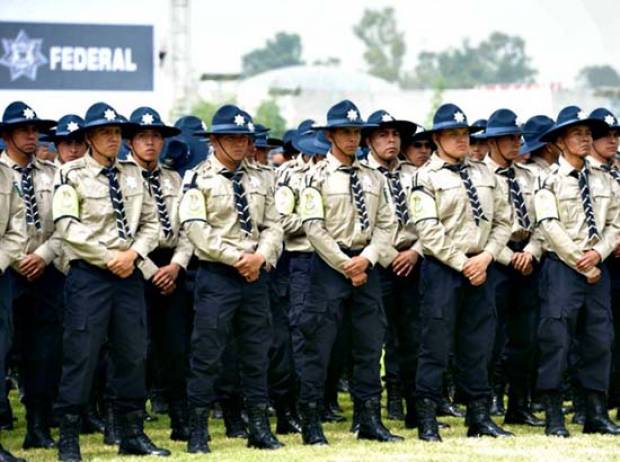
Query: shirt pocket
[
  {"x": 95, "y": 204},
  {"x": 450, "y": 197}
]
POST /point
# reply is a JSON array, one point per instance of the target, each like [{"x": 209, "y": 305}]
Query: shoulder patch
[
  {"x": 311, "y": 205},
  {"x": 65, "y": 203},
  {"x": 422, "y": 206},
  {"x": 285, "y": 200},
  {"x": 192, "y": 206}
]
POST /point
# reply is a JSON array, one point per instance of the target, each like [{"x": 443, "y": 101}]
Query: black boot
[
  {"x": 235, "y": 426},
  {"x": 133, "y": 439},
  {"x": 518, "y": 411},
  {"x": 91, "y": 421},
  {"x": 480, "y": 423},
  {"x": 311, "y": 427},
  {"x": 411, "y": 417},
  {"x": 497, "y": 401},
  {"x": 447, "y": 409},
  {"x": 579, "y": 404},
  {"x": 111, "y": 436},
  {"x": 331, "y": 414},
  {"x": 287, "y": 421},
  {"x": 198, "y": 431},
  {"x": 597, "y": 419},
  {"x": 69, "y": 441},
  {"x": 178, "y": 420},
  {"x": 554, "y": 417},
  {"x": 371, "y": 426},
  {"x": 37, "y": 429},
  {"x": 394, "y": 402},
  {"x": 259, "y": 434},
  {"x": 426, "y": 410},
  {"x": 355, "y": 420}
]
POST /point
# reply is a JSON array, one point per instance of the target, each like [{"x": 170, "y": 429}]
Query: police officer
[
  {"x": 13, "y": 238},
  {"x": 228, "y": 215},
  {"x": 108, "y": 223},
  {"x": 36, "y": 301},
  {"x": 543, "y": 155},
  {"x": 463, "y": 223},
  {"x": 68, "y": 137},
  {"x": 478, "y": 146},
  {"x": 417, "y": 148},
  {"x": 168, "y": 306},
  {"x": 577, "y": 211},
  {"x": 399, "y": 269},
  {"x": 515, "y": 272},
  {"x": 348, "y": 222}
]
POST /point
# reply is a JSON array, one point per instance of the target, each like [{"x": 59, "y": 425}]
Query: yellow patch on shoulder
[
  {"x": 311, "y": 205},
  {"x": 285, "y": 200},
  {"x": 192, "y": 206},
  {"x": 65, "y": 203}
]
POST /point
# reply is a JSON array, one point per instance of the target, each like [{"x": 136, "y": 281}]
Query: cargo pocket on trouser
[{"x": 311, "y": 317}]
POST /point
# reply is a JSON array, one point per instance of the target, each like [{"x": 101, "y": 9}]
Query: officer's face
[
  {"x": 69, "y": 150},
  {"x": 345, "y": 139},
  {"x": 235, "y": 147},
  {"x": 508, "y": 146},
  {"x": 478, "y": 149},
  {"x": 454, "y": 142},
  {"x": 23, "y": 138},
  {"x": 385, "y": 143},
  {"x": 418, "y": 152},
  {"x": 147, "y": 144},
  {"x": 105, "y": 140},
  {"x": 262, "y": 155},
  {"x": 576, "y": 140},
  {"x": 607, "y": 146}
]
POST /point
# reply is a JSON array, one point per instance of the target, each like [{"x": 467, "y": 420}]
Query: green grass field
[{"x": 529, "y": 445}]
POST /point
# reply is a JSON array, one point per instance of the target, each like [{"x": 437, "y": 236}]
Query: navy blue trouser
[
  {"x": 571, "y": 309},
  {"x": 38, "y": 312},
  {"x": 6, "y": 334},
  {"x": 100, "y": 306},
  {"x": 330, "y": 297},
  {"x": 225, "y": 304},
  {"x": 299, "y": 286},
  {"x": 454, "y": 312},
  {"x": 613, "y": 264}
]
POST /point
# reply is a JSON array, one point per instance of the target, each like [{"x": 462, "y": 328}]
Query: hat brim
[
  {"x": 602, "y": 132},
  {"x": 343, "y": 124},
  {"x": 531, "y": 147},
  {"x": 453, "y": 126},
  {"x": 405, "y": 127},
  {"x": 497, "y": 133},
  {"x": 552, "y": 134},
  {"x": 43, "y": 125},
  {"x": 166, "y": 131}
]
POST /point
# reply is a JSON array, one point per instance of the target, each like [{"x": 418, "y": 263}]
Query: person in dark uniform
[{"x": 108, "y": 225}]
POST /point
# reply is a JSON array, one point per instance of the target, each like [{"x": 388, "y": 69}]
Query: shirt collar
[
  {"x": 372, "y": 162},
  {"x": 8, "y": 160},
  {"x": 334, "y": 164},
  {"x": 565, "y": 168}
]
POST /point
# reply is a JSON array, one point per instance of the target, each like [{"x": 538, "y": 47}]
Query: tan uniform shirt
[
  {"x": 526, "y": 177},
  {"x": 443, "y": 215},
  {"x": 330, "y": 218},
  {"x": 12, "y": 220},
  {"x": 559, "y": 210},
  {"x": 39, "y": 241},
  {"x": 211, "y": 220},
  {"x": 404, "y": 236},
  {"x": 92, "y": 235}
]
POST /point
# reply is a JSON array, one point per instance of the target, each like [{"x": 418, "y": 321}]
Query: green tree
[
  {"x": 385, "y": 44},
  {"x": 268, "y": 114},
  {"x": 282, "y": 51},
  {"x": 599, "y": 76}
]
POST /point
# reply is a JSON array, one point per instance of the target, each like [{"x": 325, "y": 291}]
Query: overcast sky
[{"x": 561, "y": 36}]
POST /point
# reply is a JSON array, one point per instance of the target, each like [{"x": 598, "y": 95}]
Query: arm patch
[
  {"x": 422, "y": 206},
  {"x": 285, "y": 200},
  {"x": 311, "y": 205},
  {"x": 65, "y": 203},
  {"x": 192, "y": 206}
]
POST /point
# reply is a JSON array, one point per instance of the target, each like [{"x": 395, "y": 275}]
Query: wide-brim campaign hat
[
  {"x": 262, "y": 139},
  {"x": 482, "y": 125},
  {"x": 147, "y": 118},
  {"x": 69, "y": 126},
  {"x": 231, "y": 120},
  {"x": 449, "y": 116},
  {"x": 606, "y": 116},
  {"x": 305, "y": 127},
  {"x": 344, "y": 114},
  {"x": 569, "y": 117},
  {"x": 533, "y": 129},
  {"x": 314, "y": 143},
  {"x": 104, "y": 115},
  {"x": 502, "y": 122},
  {"x": 192, "y": 125},
  {"x": 383, "y": 119},
  {"x": 19, "y": 113}
]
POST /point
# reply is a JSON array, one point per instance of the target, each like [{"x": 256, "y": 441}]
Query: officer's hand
[
  {"x": 123, "y": 263},
  {"x": 359, "y": 279},
  {"x": 522, "y": 262},
  {"x": 166, "y": 277},
  {"x": 32, "y": 266},
  {"x": 355, "y": 266},
  {"x": 594, "y": 276},
  {"x": 169, "y": 290},
  {"x": 476, "y": 266},
  {"x": 249, "y": 265},
  {"x": 478, "y": 280},
  {"x": 404, "y": 262},
  {"x": 617, "y": 249},
  {"x": 588, "y": 261}
]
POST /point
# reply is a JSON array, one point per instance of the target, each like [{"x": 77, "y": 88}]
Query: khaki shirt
[
  {"x": 216, "y": 234},
  {"x": 336, "y": 225},
  {"x": 39, "y": 241},
  {"x": 561, "y": 217},
  {"x": 404, "y": 237},
  {"x": 92, "y": 235},
  {"x": 443, "y": 215},
  {"x": 12, "y": 220},
  {"x": 526, "y": 177},
  {"x": 541, "y": 169}
]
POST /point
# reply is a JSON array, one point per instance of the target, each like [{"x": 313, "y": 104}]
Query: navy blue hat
[
  {"x": 19, "y": 113},
  {"x": 533, "y": 129},
  {"x": 606, "y": 116},
  {"x": 314, "y": 143},
  {"x": 287, "y": 141},
  {"x": 570, "y": 116},
  {"x": 344, "y": 114},
  {"x": 231, "y": 120},
  {"x": 449, "y": 116},
  {"x": 69, "y": 126},
  {"x": 501, "y": 123},
  {"x": 147, "y": 118},
  {"x": 101, "y": 115},
  {"x": 382, "y": 118},
  {"x": 304, "y": 128},
  {"x": 192, "y": 125},
  {"x": 480, "y": 124}
]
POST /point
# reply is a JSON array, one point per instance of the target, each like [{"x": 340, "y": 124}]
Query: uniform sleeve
[
  {"x": 385, "y": 227},
  {"x": 501, "y": 227},
  {"x": 431, "y": 232},
  {"x": 183, "y": 251},
  {"x": 13, "y": 242},
  {"x": 271, "y": 236},
  {"x": 50, "y": 249},
  {"x": 609, "y": 235}
]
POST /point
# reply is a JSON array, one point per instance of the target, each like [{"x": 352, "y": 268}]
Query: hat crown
[
  {"x": 68, "y": 124},
  {"x": 289, "y": 135},
  {"x": 480, "y": 123},
  {"x": 191, "y": 124},
  {"x": 102, "y": 111},
  {"x": 232, "y": 119},
  {"x": 305, "y": 126},
  {"x": 18, "y": 111},
  {"x": 449, "y": 116},
  {"x": 570, "y": 114},
  {"x": 145, "y": 116},
  {"x": 344, "y": 111},
  {"x": 381, "y": 117},
  {"x": 502, "y": 118},
  {"x": 605, "y": 115},
  {"x": 536, "y": 126}
]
